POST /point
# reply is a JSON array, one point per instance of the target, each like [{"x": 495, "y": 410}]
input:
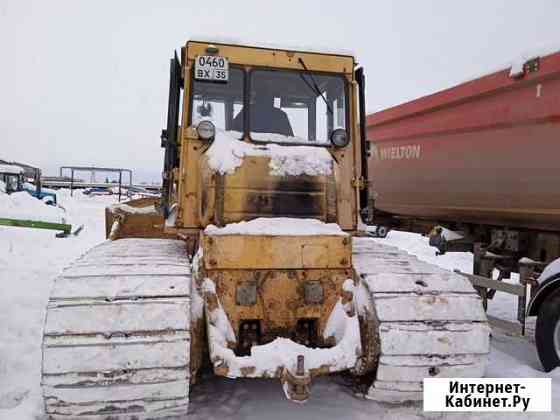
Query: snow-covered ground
[
  {"x": 30, "y": 259},
  {"x": 503, "y": 306},
  {"x": 21, "y": 205}
]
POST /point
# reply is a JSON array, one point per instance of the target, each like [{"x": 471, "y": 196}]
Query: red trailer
[{"x": 481, "y": 159}]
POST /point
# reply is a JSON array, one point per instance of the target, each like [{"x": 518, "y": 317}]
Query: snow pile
[
  {"x": 218, "y": 317},
  {"x": 336, "y": 324},
  {"x": 125, "y": 208},
  {"x": 283, "y": 353},
  {"x": 279, "y": 226},
  {"x": 226, "y": 154},
  {"x": 265, "y": 360},
  {"x": 2, "y": 187},
  {"x": 362, "y": 299},
  {"x": 21, "y": 205},
  {"x": 299, "y": 160},
  {"x": 11, "y": 169},
  {"x": 30, "y": 259},
  {"x": 197, "y": 301},
  {"x": 349, "y": 287}
]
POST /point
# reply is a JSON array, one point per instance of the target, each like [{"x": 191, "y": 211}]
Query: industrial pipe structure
[{"x": 93, "y": 170}]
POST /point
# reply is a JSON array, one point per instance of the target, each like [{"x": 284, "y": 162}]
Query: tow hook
[{"x": 296, "y": 387}]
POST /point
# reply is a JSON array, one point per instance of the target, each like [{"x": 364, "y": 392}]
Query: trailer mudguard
[{"x": 551, "y": 276}]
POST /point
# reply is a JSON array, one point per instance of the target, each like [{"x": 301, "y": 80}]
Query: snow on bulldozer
[{"x": 251, "y": 265}]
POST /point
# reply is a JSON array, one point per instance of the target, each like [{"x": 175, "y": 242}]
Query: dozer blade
[
  {"x": 135, "y": 219},
  {"x": 430, "y": 321},
  {"x": 116, "y": 341}
]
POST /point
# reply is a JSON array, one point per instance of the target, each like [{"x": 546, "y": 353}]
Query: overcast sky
[{"x": 85, "y": 82}]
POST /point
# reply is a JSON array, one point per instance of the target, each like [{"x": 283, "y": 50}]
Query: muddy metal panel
[
  {"x": 234, "y": 252},
  {"x": 486, "y": 151},
  {"x": 251, "y": 191},
  {"x": 280, "y": 299}
]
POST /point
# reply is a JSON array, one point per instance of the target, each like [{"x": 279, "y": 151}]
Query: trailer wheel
[
  {"x": 547, "y": 333},
  {"x": 381, "y": 231}
]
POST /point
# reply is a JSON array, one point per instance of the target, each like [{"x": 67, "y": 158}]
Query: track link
[
  {"x": 116, "y": 341},
  {"x": 430, "y": 321}
]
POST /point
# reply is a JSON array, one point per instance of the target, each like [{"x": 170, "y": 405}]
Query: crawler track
[
  {"x": 117, "y": 335},
  {"x": 430, "y": 321}
]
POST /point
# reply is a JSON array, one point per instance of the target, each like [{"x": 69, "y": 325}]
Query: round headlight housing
[
  {"x": 339, "y": 138},
  {"x": 206, "y": 130}
]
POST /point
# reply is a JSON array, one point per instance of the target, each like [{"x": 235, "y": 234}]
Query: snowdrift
[{"x": 21, "y": 205}]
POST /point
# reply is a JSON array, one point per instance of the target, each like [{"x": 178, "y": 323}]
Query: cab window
[
  {"x": 219, "y": 102},
  {"x": 295, "y": 107}
]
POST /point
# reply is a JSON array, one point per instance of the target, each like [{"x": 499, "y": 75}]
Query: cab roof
[{"x": 266, "y": 55}]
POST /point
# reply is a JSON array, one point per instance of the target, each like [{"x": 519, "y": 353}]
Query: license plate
[{"x": 212, "y": 68}]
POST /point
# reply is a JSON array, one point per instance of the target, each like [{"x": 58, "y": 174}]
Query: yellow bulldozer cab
[
  {"x": 273, "y": 114},
  {"x": 257, "y": 132}
]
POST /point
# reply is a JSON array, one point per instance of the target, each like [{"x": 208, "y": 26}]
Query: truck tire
[
  {"x": 547, "y": 333},
  {"x": 381, "y": 231}
]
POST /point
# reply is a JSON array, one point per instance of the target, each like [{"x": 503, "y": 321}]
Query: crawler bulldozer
[{"x": 252, "y": 263}]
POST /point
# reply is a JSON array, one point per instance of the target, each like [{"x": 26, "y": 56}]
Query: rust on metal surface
[
  {"x": 280, "y": 301},
  {"x": 297, "y": 385},
  {"x": 277, "y": 252}
]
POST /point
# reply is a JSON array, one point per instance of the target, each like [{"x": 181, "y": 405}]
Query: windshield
[
  {"x": 296, "y": 107},
  {"x": 218, "y": 101},
  {"x": 285, "y": 106}
]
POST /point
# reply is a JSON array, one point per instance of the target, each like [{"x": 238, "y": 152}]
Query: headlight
[
  {"x": 206, "y": 130},
  {"x": 339, "y": 137}
]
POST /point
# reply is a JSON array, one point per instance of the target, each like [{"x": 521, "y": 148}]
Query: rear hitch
[{"x": 296, "y": 386}]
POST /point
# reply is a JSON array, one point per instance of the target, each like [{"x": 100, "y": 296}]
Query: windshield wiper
[{"x": 315, "y": 87}]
